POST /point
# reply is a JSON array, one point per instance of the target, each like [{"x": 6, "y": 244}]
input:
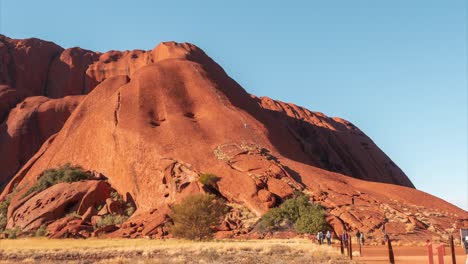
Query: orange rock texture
[{"x": 151, "y": 122}]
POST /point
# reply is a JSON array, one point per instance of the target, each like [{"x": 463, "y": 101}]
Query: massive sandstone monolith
[{"x": 152, "y": 121}]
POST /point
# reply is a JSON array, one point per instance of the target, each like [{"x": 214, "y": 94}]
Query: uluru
[{"x": 146, "y": 124}]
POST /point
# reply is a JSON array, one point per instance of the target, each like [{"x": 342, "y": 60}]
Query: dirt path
[{"x": 407, "y": 254}]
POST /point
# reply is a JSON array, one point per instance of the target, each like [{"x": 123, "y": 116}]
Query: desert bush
[
  {"x": 311, "y": 220},
  {"x": 196, "y": 215},
  {"x": 129, "y": 210},
  {"x": 296, "y": 212},
  {"x": 116, "y": 196},
  {"x": 209, "y": 180},
  {"x": 111, "y": 219},
  {"x": 12, "y": 233},
  {"x": 4, "y": 208},
  {"x": 64, "y": 173},
  {"x": 41, "y": 231},
  {"x": 3, "y": 213}
]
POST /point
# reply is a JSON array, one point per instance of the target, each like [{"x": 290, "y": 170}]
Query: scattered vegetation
[
  {"x": 116, "y": 197},
  {"x": 129, "y": 210},
  {"x": 297, "y": 213},
  {"x": 3, "y": 213},
  {"x": 111, "y": 219},
  {"x": 37, "y": 250},
  {"x": 41, "y": 231},
  {"x": 116, "y": 218},
  {"x": 129, "y": 207},
  {"x": 196, "y": 215},
  {"x": 50, "y": 177},
  {"x": 209, "y": 179},
  {"x": 4, "y": 209},
  {"x": 99, "y": 207},
  {"x": 12, "y": 233}
]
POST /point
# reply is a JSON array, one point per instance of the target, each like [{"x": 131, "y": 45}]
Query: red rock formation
[
  {"x": 47, "y": 206},
  {"x": 335, "y": 144},
  {"x": 67, "y": 73},
  {"x": 27, "y": 127},
  {"x": 158, "y": 119}
]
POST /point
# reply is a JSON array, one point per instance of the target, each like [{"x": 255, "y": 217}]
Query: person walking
[
  {"x": 358, "y": 236},
  {"x": 328, "y": 237},
  {"x": 344, "y": 238},
  {"x": 320, "y": 237},
  {"x": 465, "y": 243},
  {"x": 361, "y": 239}
]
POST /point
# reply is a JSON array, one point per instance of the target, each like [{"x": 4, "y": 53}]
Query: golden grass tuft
[{"x": 41, "y": 250}]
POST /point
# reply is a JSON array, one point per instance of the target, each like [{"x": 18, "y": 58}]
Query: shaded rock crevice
[
  {"x": 116, "y": 111},
  {"x": 45, "y": 91}
]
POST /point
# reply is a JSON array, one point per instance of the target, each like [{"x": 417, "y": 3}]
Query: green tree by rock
[
  {"x": 297, "y": 213},
  {"x": 196, "y": 216}
]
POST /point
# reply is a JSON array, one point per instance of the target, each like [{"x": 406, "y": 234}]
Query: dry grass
[{"x": 41, "y": 250}]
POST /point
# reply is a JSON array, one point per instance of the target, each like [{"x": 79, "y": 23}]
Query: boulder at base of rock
[{"x": 55, "y": 202}]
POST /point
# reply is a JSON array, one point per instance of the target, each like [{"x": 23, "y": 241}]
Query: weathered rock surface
[
  {"x": 55, "y": 202},
  {"x": 27, "y": 127},
  {"x": 153, "y": 121}
]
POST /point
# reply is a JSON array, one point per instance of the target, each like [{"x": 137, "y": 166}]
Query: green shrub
[
  {"x": 4, "y": 209},
  {"x": 116, "y": 196},
  {"x": 41, "y": 231},
  {"x": 64, "y": 173},
  {"x": 12, "y": 233},
  {"x": 111, "y": 219},
  {"x": 99, "y": 207},
  {"x": 209, "y": 180},
  {"x": 196, "y": 215},
  {"x": 129, "y": 210},
  {"x": 311, "y": 220},
  {"x": 3, "y": 213},
  {"x": 296, "y": 212}
]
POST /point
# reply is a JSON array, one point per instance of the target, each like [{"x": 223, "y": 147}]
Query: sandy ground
[
  {"x": 407, "y": 254},
  {"x": 37, "y": 250}
]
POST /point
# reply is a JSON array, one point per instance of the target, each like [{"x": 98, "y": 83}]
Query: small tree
[
  {"x": 210, "y": 180},
  {"x": 296, "y": 212},
  {"x": 196, "y": 215},
  {"x": 50, "y": 177},
  {"x": 311, "y": 220}
]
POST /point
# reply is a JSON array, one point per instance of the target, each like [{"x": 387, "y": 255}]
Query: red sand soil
[
  {"x": 407, "y": 254},
  {"x": 152, "y": 122}
]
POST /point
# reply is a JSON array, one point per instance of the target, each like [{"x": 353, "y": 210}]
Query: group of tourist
[
  {"x": 321, "y": 237},
  {"x": 359, "y": 237}
]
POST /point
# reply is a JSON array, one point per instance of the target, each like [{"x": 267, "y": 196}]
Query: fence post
[
  {"x": 341, "y": 246},
  {"x": 452, "y": 249},
  {"x": 347, "y": 247},
  {"x": 391, "y": 257},
  {"x": 360, "y": 250},
  {"x": 429, "y": 252},
  {"x": 440, "y": 253}
]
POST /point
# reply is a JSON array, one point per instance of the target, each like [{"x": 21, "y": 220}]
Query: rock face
[
  {"x": 152, "y": 121},
  {"x": 35, "y": 210},
  {"x": 27, "y": 127}
]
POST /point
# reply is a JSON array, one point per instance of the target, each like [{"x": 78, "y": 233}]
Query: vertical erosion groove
[{"x": 116, "y": 111}]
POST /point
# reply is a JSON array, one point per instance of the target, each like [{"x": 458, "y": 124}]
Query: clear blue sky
[{"x": 397, "y": 69}]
